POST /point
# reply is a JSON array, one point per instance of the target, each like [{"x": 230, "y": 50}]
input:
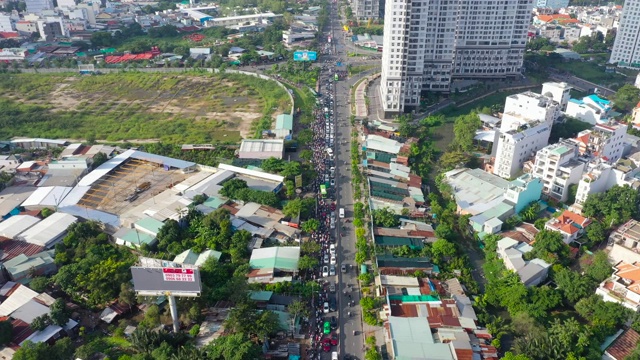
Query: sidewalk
[{"x": 361, "y": 94}]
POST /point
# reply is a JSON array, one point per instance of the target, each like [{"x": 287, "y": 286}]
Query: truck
[{"x": 143, "y": 187}]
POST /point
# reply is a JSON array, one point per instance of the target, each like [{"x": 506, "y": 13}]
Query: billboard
[
  {"x": 305, "y": 55},
  {"x": 158, "y": 281}
]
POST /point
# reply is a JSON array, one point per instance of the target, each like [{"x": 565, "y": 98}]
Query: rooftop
[
  {"x": 380, "y": 143},
  {"x": 624, "y": 345},
  {"x": 278, "y": 257},
  {"x": 569, "y": 222},
  {"x": 411, "y": 338},
  {"x": 262, "y": 145}
]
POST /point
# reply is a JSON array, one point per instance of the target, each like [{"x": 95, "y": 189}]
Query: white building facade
[
  {"x": 552, "y": 4},
  {"x": 626, "y": 51},
  {"x": 525, "y": 129},
  {"x": 558, "y": 166},
  {"x": 427, "y": 43},
  {"x": 5, "y": 23}
]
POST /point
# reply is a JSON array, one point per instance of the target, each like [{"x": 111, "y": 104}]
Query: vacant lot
[{"x": 134, "y": 106}]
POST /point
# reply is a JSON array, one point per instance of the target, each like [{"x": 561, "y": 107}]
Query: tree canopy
[
  {"x": 626, "y": 98},
  {"x": 614, "y": 206}
]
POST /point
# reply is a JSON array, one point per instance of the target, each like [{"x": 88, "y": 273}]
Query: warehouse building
[
  {"x": 49, "y": 231},
  {"x": 261, "y": 149}
]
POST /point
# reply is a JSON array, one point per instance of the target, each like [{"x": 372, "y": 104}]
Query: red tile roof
[
  {"x": 624, "y": 345},
  {"x": 9, "y": 249},
  {"x": 9, "y": 34},
  {"x": 464, "y": 354},
  {"x": 565, "y": 222}
]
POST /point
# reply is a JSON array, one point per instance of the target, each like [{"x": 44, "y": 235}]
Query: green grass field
[{"x": 174, "y": 108}]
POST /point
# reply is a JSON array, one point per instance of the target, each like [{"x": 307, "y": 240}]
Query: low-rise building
[
  {"x": 623, "y": 346},
  {"x": 190, "y": 258},
  {"x": 273, "y": 264},
  {"x": 531, "y": 272},
  {"x": 49, "y": 231},
  {"x": 623, "y": 243},
  {"x": 623, "y": 287},
  {"x": 605, "y": 140},
  {"x": 569, "y": 224},
  {"x": 261, "y": 149},
  {"x": 591, "y": 109}
]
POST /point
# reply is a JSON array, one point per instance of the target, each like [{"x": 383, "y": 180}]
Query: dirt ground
[{"x": 225, "y": 105}]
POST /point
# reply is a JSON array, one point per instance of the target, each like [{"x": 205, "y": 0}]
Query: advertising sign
[
  {"x": 178, "y": 274},
  {"x": 305, "y": 55}
]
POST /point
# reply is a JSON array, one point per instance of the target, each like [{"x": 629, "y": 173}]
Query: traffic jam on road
[{"x": 324, "y": 336}]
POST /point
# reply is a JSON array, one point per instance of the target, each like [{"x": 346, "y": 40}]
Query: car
[
  {"x": 333, "y": 182},
  {"x": 332, "y": 304},
  {"x": 333, "y": 207},
  {"x": 334, "y": 355},
  {"x": 341, "y": 213},
  {"x": 332, "y": 287},
  {"x": 325, "y": 271},
  {"x": 332, "y": 249},
  {"x": 333, "y": 260},
  {"x": 333, "y": 168},
  {"x": 326, "y": 258},
  {"x": 343, "y": 268},
  {"x": 334, "y": 323},
  {"x": 332, "y": 270},
  {"x": 326, "y": 344},
  {"x": 334, "y": 339},
  {"x": 325, "y": 309}
]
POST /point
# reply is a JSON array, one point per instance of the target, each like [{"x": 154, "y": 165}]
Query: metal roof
[
  {"x": 48, "y": 230},
  {"x": 284, "y": 121},
  {"x": 411, "y": 339},
  {"x": 47, "y": 196},
  {"x": 278, "y": 257},
  {"x": 17, "y": 224},
  {"x": 20, "y": 296},
  {"x": 262, "y": 146}
]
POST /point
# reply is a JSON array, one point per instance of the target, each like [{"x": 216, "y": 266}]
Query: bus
[
  {"x": 335, "y": 77},
  {"x": 323, "y": 190}
]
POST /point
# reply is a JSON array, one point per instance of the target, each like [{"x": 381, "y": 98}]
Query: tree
[
  {"x": 6, "y": 330},
  {"x": 310, "y": 226},
  {"x": 453, "y": 159},
  {"x": 306, "y": 154},
  {"x": 309, "y": 247},
  {"x": 151, "y": 317},
  {"x": 63, "y": 349},
  {"x": 39, "y": 283},
  {"x": 127, "y": 295},
  {"x": 604, "y": 316},
  {"x": 540, "y": 223},
  {"x": 441, "y": 249},
  {"x": 626, "y": 98},
  {"x": 600, "y": 268},
  {"x": 464, "y": 131},
  {"x": 298, "y": 308},
  {"x": 613, "y": 207},
  {"x": 573, "y": 286},
  {"x": 233, "y": 347},
  {"x": 292, "y": 208},
  {"x": 291, "y": 169},
  {"x": 307, "y": 262},
  {"x": 272, "y": 165},
  {"x": 99, "y": 159},
  {"x": 385, "y": 217},
  {"x": 46, "y": 212},
  {"x": 358, "y": 210},
  {"x": 550, "y": 246},
  {"x": 59, "y": 313},
  {"x": 101, "y": 39},
  {"x": 40, "y": 322},
  {"x": 530, "y": 213}
]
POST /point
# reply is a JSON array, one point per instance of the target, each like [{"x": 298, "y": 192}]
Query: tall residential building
[
  {"x": 559, "y": 165},
  {"x": 368, "y": 9},
  {"x": 603, "y": 140},
  {"x": 427, "y": 43},
  {"x": 5, "y": 23},
  {"x": 626, "y": 51},
  {"x": 525, "y": 129},
  {"x": 38, "y": 6},
  {"x": 552, "y": 4}
]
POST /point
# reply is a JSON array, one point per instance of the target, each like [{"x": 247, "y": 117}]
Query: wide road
[{"x": 350, "y": 345}]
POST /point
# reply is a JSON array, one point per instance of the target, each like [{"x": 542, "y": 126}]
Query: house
[
  {"x": 284, "y": 125},
  {"x": 569, "y": 224},
  {"x": 261, "y": 149},
  {"x": 623, "y": 243},
  {"x": 190, "y": 258},
  {"x": 411, "y": 338},
  {"x": 23, "y": 268},
  {"x": 591, "y": 109},
  {"x": 273, "y": 264},
  {"x": 49, "y": 231},
  {"x": 559, "y": 166},
  {"x": 605, "y": 140},
  {"x": 622, "y": 346},
  {"x": 414, "y": 239},
  {"x": 532, "y": 272},
  {"x": 623, "y": 287}
]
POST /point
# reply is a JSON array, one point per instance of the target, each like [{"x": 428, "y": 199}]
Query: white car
[
  {"x": 332, "y": 271},
  {"x": 332, "y": 249},
  {"x": 325, "y": 308},
  {"x": 325, "y": 271},
  {"x": 326, "y": 259},
  {"x": 333, "y": 260}
]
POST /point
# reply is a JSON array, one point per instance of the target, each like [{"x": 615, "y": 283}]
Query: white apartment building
[
  {"x": 368, "y": 9},
  {"x": 591, "y": 109},
  {"x": 601, "y": 176},
  {"x": 525, "y": 129},
  {"x": 5, "y": 23},
  {"x": 427, "y": 43},
  {"x": 626, "y": 50},
  {"x": 552, "y": 4},
  {"x": 558, "y": 166},
  {"x": 603, "y": 140},
  {"x": 38, "y": 6},
  {"x": 560, "y": 92},
  {"x": 69, "y": 4}
]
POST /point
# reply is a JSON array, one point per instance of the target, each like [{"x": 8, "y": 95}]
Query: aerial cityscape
[{"x": 319, "y": 179}]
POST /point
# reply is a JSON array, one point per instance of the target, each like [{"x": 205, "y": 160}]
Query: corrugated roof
[
  {"x": 48, "y": 230},
  {"x": 284, "y": 121},
  {"x": 411, "y": 338},
  {"x": 9, "y": 249},
  {"x": 17, "y": 224},
  {"x": 47, "y": 196},
  {"x": 150, "y": 225},
  {"x": 279, "y": 257},
  {"x": 20, "y": 296}
]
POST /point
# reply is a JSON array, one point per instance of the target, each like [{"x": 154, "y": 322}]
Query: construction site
[{"x": 132, "y": 181}]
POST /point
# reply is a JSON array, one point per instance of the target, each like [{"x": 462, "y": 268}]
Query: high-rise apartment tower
[
  {"x": 626, "y": 48},
  {"x": 427, "y": 43}
]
